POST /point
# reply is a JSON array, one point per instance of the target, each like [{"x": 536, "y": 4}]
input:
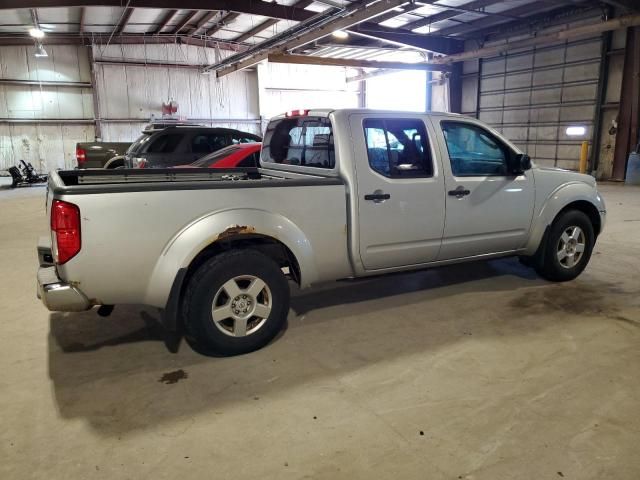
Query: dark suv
[{"x": 180, "y": 145}]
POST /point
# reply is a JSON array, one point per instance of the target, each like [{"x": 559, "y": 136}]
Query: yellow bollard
[{"x": 583, "y": 157}]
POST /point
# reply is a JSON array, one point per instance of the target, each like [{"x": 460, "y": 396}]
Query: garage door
[{"x": 533, "y": 96}]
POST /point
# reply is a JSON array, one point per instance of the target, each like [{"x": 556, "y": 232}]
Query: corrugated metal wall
[
  {"x": 130, "y": 94},
  {"x": 41, "y": 123},
  {"x": 285, "y": 87},
  {"x": 532, "y": 96}
]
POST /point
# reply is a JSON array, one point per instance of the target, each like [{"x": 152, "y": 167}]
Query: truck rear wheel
[
  {"x": 235, "y": 303},
  {"x": 568, "y": 247}
]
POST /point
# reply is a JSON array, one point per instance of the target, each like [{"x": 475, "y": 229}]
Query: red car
[{"x": 233, "y": 156}]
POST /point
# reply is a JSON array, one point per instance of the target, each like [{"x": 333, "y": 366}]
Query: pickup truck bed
[
  {"x": 167, "y": 217},
  {"x": 75, "y": 182}
]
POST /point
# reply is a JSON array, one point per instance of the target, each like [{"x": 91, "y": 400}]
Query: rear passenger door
[{"x": 400, "y": 191}]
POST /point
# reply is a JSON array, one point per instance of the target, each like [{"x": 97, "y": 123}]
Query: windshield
[
  {"x": 303, "y": 141},
  {"x": 138, "y": 141},
  {"x": 213, "y": 158}
]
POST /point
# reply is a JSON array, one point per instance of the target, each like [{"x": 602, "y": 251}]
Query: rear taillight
[
  {"x": 81, "y": 155},
  {"x": 65, "y": 224}
]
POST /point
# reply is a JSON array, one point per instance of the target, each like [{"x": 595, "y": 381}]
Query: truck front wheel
[
  {"x": 568, "y": 247},
  {"x": 236, "y": 302}
]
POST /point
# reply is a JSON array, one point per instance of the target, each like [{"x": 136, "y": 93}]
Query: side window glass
[
  {"x": 216, "y": 142},
  {"x": 398, "y": 148},
  {"x": 165, "y": 144},
  {"x": 236, "y": 139},
  {"x": 473, "y": 151},
  {"x": 200, "y": 144}
]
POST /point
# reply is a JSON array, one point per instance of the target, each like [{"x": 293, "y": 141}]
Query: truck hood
[{"x": 558, "y": 176}]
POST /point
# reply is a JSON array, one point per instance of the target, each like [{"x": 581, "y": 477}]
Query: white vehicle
[{"x": 340, "y": 194}]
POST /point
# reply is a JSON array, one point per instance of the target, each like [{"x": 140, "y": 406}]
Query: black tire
[
  {"x": 549, "y": 265},
  {"x": 205, "y": 334}
]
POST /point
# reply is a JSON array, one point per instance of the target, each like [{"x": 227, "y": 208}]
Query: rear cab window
[{"x": 305, "y": 141}]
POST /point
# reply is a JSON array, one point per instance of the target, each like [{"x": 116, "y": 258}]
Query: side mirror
[{"x": 521, "y": 163}]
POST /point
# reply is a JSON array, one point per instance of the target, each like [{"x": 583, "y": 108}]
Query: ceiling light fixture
[
  {"x": 40, "y": 51},
  {"x": 36, "y": 33},
  {"x": 341, "y": 34}
]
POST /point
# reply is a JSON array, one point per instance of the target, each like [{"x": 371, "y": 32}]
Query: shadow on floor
[{"x": 107, "y": 370}]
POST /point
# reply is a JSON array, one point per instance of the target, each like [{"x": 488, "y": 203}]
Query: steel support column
[
  {"x": 455, "y": 88},
  {"x": 627, "y": 135}
]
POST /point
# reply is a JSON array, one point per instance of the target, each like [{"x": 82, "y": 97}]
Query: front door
[
  {"x": 489, "y": 210},
  {"x": 401, "y": 196}
]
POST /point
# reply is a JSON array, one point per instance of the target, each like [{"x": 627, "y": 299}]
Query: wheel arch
[
  {"x": 272, "y": 234},
  {"x": 572, "y": 196},
  {"x": 115, "y": 162}
]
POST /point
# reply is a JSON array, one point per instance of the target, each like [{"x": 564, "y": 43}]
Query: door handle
[
  {"x": 459, "y": 192},
  {"x": 377, "y": 196}
]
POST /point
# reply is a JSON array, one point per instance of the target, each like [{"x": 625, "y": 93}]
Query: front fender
[
  {"x": 562, "y": 196},
  {"x": 213, "y": 227}
]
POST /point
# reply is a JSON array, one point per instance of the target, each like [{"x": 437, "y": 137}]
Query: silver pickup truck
[{"x": 339, "y": 194}]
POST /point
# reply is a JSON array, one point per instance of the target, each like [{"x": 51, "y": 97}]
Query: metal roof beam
[
  {"x": 269, "y": 23},
  {"x": 123, "y": 39},
  {"x": 533, "y": 22},
  {"x": 346, "y": 62},
  {"x": 447, "y": 14},
  {"x": 433, "y": 43},
  {"x": 123, "y": 20},
  {"x": 253, "y": 7},
  {"x": 341, "y": 21},
  {"x": 184, "y": 22},
  {"x": 543, "y": 38},
  {"x": 627, "y": 5},
  {"x": 165, "y": 21},
  {"x": 202, "y": 22},
  {"x": 82, "y": 14},
  {"x": 224, "y": 21},
  {"x": 519, "y": 12}
]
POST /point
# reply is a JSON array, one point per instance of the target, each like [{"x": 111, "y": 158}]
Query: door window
[
  {"x": 216, "y": 142},
  {"x": 200, "y": 144},
  {"x": 398, "y": 148},
  {"x": 241, "y": 139},
  {"x": 473, "y": 151},
  {"x": 208, "y": 143},
  {"x": 165, "y": 144}
]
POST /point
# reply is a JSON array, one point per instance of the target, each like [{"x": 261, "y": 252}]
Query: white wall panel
[
  {"x": 46, "y": 146},
  {"x": 51, "y": 145},
  {"x": 285, "y": 87}
]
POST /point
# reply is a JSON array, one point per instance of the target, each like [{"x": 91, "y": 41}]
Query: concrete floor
[{"x": 479, "y": 371}]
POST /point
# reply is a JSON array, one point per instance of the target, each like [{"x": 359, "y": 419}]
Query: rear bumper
[{"x": 56, "y": 295}]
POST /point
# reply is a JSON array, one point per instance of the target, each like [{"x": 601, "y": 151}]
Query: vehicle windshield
[
  {"x": 303, "y": 141},
  {"x": 213, "y": 158},
  {"x": 138, "y": 142}
]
